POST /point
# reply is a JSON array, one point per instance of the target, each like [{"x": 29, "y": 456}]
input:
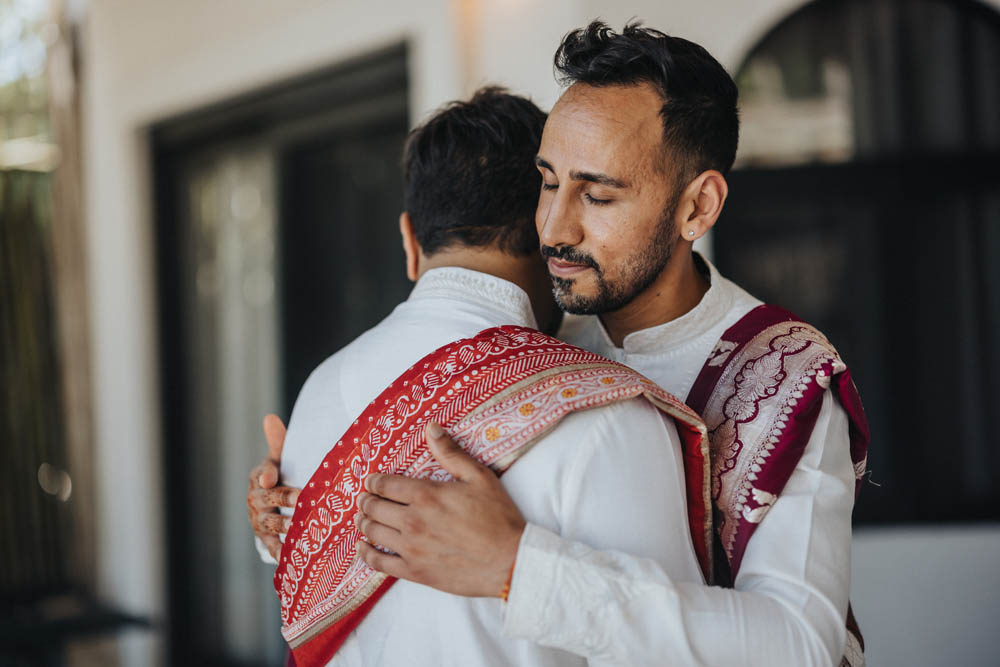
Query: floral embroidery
[
  {"x": 758, "y": 380},
  {"x": 759, "y": 394},
  {"x": 773, "y": 370},
  {"x": 720, "y": 354}
]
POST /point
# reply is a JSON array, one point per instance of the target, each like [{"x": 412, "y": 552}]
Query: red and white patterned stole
[
  {"x": 760, "y": 394},
  {"x": 496, "y": 393}
]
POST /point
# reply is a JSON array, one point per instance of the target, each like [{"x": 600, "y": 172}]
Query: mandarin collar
[
  {"x": 669, "y": 336},
  {"x": 510, "y": 302}
]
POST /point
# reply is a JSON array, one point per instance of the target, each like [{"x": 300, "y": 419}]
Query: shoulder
[
  {"x": 768, "y": 365},
  {"x": 632, "y": 425},
  {"x": 766, "y": 328},
  {"x": 628, "y": 416},
  {"x": 322, "y": 385},
  {"x": 325, "y": 380},
  {"x": 606, "y": 445}
]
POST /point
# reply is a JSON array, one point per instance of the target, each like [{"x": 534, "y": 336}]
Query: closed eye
[
  {"x": 550, "y": 186},
  {"x": 597, "y": 202}
]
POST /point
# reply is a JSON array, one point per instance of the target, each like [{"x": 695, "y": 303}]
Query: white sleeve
[
  {"x": 262, "y": 551},
  {"x": 788, "y": 606},
  {"x": 622, "y": 489},
  {"x": 626, "y": 490}
]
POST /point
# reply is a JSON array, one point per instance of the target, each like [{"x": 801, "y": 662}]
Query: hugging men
[{"x": 633, "y": 160}]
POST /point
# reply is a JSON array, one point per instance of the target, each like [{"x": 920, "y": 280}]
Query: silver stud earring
[{"x": 690, "y": 232}]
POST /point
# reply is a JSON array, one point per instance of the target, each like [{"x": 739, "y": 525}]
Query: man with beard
[{"x": 633, "y": 160}]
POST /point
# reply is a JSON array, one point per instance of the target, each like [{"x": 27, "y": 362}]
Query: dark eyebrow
[
  {"x": 601, "y": 179},
  {"x": 542, "y": 162}
]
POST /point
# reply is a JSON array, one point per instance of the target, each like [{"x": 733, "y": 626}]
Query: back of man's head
[
  {"x": 700, "y": 118},
  {"x": 469, "y": 176}
]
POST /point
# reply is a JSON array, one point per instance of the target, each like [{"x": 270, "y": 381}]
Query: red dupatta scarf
[
  {"x": 497, "y": 394},
  {"x": 760, "y": 394}
]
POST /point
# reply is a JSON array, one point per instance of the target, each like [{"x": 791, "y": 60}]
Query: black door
[{"x": 277, "y": 242}]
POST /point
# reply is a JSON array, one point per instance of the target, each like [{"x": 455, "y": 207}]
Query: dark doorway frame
[{"x": 281, "y": 116}]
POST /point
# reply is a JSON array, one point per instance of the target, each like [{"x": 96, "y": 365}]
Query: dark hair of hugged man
[
  {"x": 469, "y": 176},
  {"x": 700, "y": 117}
]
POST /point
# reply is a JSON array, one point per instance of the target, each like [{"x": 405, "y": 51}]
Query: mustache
[{"x": 571, "y": 255}]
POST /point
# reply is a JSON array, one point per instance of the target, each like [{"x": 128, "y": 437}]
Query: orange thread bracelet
[{"x": 505, "y": 591}]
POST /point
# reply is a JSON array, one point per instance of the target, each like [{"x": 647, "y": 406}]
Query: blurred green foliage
[{"x": 25, "y": 32}]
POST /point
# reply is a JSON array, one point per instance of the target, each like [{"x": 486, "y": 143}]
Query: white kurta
[
  {"x": 790, "y": 597},
  {"x": 582, "y": 481}
]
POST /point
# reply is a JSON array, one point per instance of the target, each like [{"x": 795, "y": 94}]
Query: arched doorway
[{"x": 867, "y": 199}]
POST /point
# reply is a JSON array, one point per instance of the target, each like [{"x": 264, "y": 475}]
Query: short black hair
[
  {"x": 469, "y": 175},
  {"x": 700, "y": 117}
]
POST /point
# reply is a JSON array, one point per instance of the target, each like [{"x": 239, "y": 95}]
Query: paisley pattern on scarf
[{"x": 496, "y": 393}]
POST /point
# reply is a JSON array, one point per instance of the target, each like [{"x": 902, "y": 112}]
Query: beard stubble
[{"x": 644, "y": 268}]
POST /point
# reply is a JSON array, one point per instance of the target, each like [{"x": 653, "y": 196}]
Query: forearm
[{"x": 611, "y": 607}]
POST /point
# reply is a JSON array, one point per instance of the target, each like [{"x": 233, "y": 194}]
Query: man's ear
[
  {"x": 410, "y": 246},
  {"x": 702, "y": 203}
]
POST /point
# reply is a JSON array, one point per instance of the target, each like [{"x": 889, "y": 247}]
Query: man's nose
[{"x": 559, "y": 224}]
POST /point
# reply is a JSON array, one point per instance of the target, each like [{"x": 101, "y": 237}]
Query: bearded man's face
[{"x": 606, "y": 210}]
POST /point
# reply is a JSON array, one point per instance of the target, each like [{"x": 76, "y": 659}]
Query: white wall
[
  {"x": 516, "y": 39},
  {"x": 928, "y": 596},
  {"x": 148, "y": 59}
]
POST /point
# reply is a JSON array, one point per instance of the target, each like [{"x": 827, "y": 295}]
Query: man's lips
[{"x": 558, "y": 267}]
